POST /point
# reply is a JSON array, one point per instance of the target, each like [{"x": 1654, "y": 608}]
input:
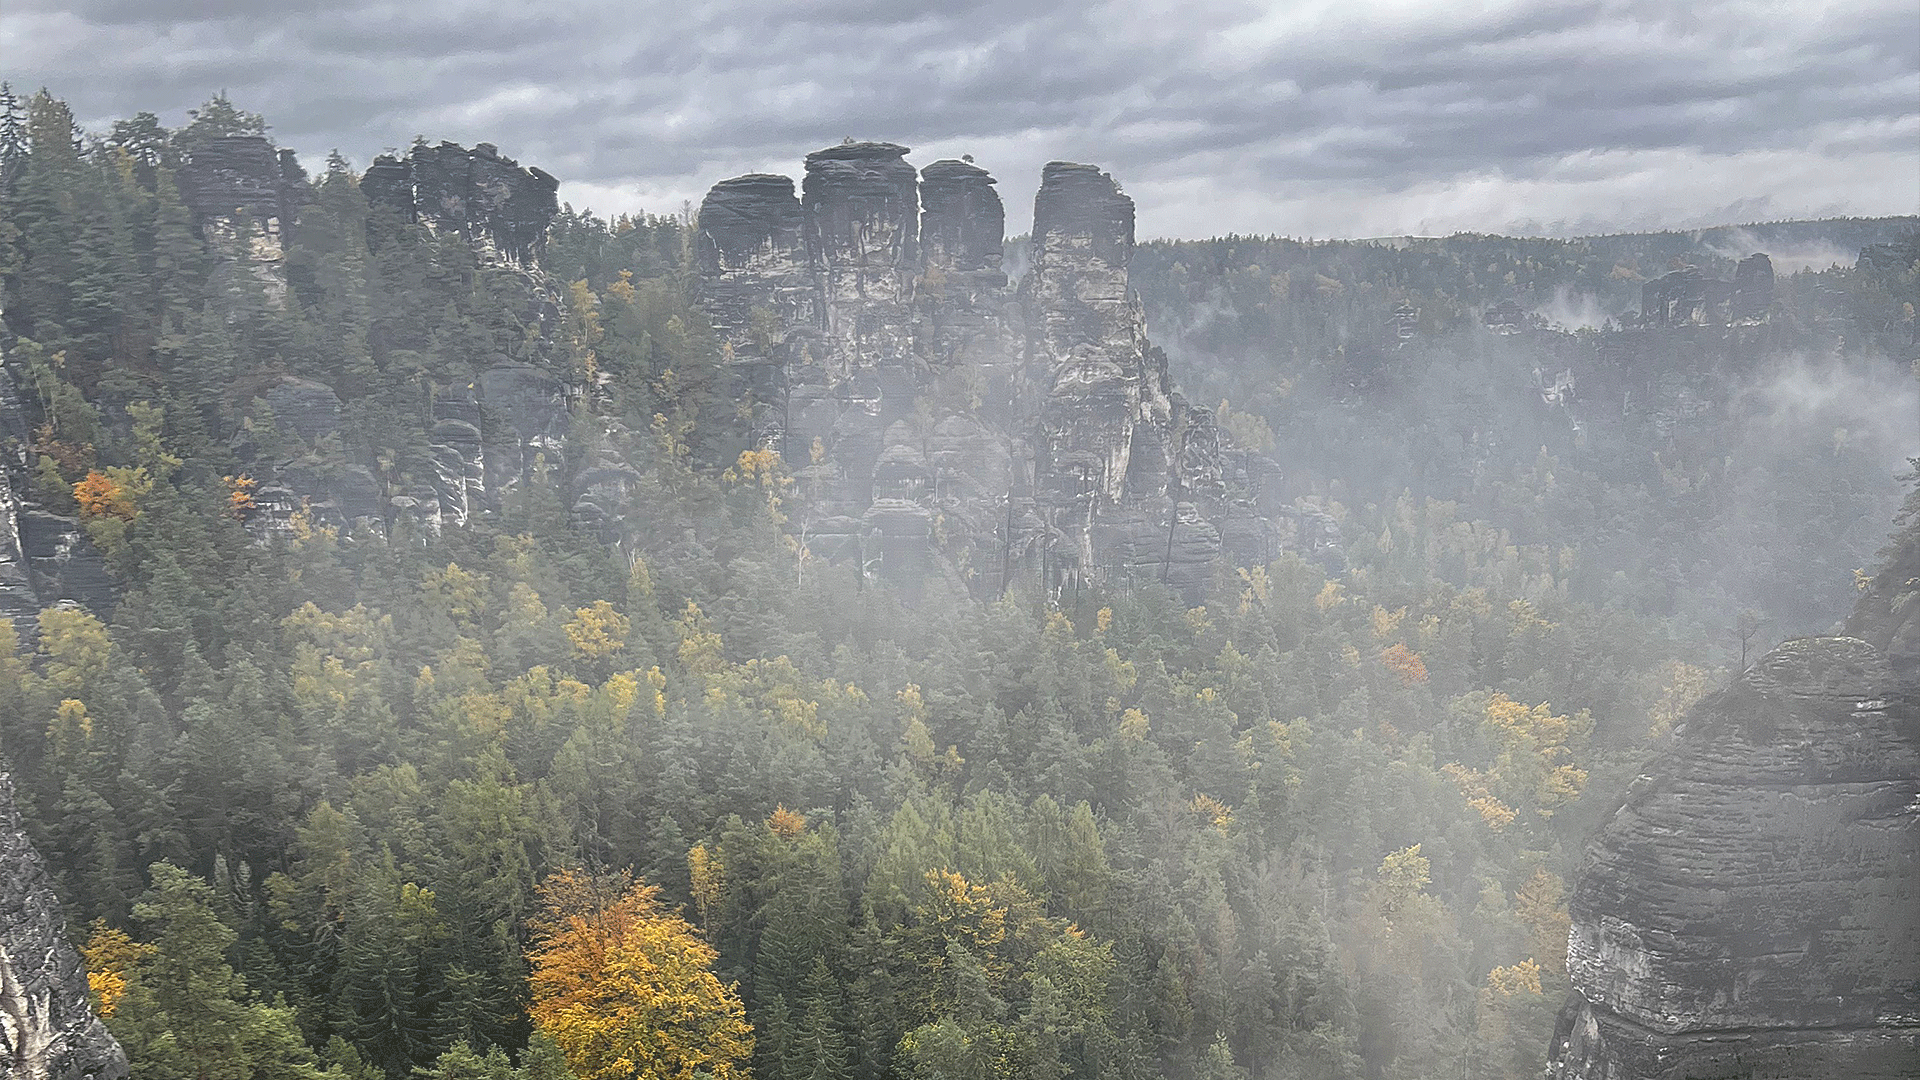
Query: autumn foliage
[
  {"x": 101, "y": 495},
  {"x": 1405, "y": 663},
  {"x": 626, "y": 989}
]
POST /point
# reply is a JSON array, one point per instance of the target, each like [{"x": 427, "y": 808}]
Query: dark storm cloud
[{"x": 1353, "y": 117}]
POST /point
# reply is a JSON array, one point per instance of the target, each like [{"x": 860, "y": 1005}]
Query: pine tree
[{"x": 186, "y": 1015}]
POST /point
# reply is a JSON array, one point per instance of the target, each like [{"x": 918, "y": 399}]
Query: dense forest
[{"x": 507, "y": 800}]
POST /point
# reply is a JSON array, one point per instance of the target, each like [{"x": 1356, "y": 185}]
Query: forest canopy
[{"x": 505, "y": 800}]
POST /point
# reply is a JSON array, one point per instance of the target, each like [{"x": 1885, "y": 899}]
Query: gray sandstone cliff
[
  {"x": 486, "y": 431},
  {"x": 47, "y": 1028},
  {"x": 503, "y": 210},
  {"x": 1752, "y": 910},
  {"x": 245, "y": 196},
  {"x": 945, "y": 424}
]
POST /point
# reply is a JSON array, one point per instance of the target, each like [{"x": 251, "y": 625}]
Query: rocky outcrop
[
  {"x": 245, "y": 197},
  {"x": 244, "y": 176},
  {"x": 45, "y": 558},
  {"x": 1753, "y": 908},
  {"x": 487, "y": 427},
  {"x": 757, "y": 285},
  {"x": 503, "y": 210},
  {"x": 488, "y": 435},
  {"x": 1751, "y": 297},
  {"x": 1687, "y": 297},
  {"x": 939, "y": 420},
  {"x": 18, "y": 601},
  {"x": 62, "y": 563},
  {"x": 47, "y": 1028},
  {"x": 303, "y": 408}
]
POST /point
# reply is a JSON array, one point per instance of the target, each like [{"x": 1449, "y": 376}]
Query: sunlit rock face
[
  {"x": 942, "y": 423},
  {"x": 1753, "y": 908},
  {"x": 47, "y": 1028}
]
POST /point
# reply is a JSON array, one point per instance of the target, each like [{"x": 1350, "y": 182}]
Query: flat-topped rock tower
[{"x": 943, "y": 421}]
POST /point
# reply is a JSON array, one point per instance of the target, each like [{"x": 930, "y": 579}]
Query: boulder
[{"x": 1752, "y": 909}]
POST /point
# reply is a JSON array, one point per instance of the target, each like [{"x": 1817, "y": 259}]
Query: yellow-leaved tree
[{"x": 626, "y": 989}]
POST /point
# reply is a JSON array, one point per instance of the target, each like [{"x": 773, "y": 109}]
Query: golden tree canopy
[{"x": 627, "y": 990}]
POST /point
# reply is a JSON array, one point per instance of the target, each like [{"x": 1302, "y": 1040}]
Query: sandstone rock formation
[
  {"x": 245, "y": 197},
  {"x": 1687, "y": 297},
  {"x": 1752, "y": 909},
  {"x": 244, "y": 177},
  {"x": 487, "y": 435},
  {"x": 47, "y": 1028},
  {"x": 486, "y": 431},
  {"x": 1752, "y": 293},
  {"x": 941, "y": 422},
  {"x": 499, "y": 207}
]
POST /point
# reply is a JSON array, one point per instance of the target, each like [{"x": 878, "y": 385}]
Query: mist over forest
[{"x": 446, "y": 633}]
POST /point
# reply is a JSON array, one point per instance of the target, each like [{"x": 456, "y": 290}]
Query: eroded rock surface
[
  {"x": 943, "y": 423},
  {"x": 1687, "y": 297},
  {"x": 1752, "y": 909},
  {"x": 47, "y": 1028},
  {"x": 45, "y": 558},
  {"x": 245, "y": 196},
  {"x": 499, "y": 207}
]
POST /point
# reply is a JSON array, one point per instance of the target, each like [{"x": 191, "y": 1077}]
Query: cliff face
[
  {"x": 486, "y": 430},
  {"x": 1753, "y": 908},
  {"x": 943, "y": 422},
  {"x": 1686, "y": 297},
  {"x": 47, "y": 1028},
  {"x": 245, "y": 197},
  {"x": 502, "y": 209},
  {"x": 44, "y": 557}
]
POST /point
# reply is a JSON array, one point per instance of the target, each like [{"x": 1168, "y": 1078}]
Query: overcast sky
[{"x": 1313, "y": 118}]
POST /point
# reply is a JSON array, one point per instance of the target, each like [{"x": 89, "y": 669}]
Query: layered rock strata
[
  {"x": 47, "y": 1028},
  {"x": 244, "y": 177},
  {"x": 942, "y": 422},
  {"x": 757, "y": 284},
  {"x": 487, "y": 436},
  {"x": 487, "y": 431},
  {"x": 1752, "y": 910}
]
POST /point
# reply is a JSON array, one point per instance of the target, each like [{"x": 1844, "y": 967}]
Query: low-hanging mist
[{"x": 455, "y": 635}]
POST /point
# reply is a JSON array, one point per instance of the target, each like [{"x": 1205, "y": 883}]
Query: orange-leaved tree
[{"x": 626, "y": 988}]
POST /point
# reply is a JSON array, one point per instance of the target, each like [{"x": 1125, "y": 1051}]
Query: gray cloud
[{"x": 1320, "y": 117}]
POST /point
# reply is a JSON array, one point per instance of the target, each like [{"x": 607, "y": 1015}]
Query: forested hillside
[{"x": 376, "y": 794}]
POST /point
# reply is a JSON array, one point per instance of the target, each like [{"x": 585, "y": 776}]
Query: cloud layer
[{"x": 1315, "y": 118}]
